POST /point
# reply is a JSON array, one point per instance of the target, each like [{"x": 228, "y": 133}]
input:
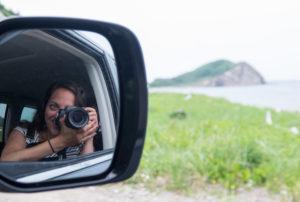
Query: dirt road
[{"x": 127, "y": 193}]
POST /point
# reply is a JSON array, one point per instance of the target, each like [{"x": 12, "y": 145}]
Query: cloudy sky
[{"x": 178, "y": 36}]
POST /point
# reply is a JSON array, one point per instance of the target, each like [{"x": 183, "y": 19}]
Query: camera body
[{"x": 75, "y": 117}]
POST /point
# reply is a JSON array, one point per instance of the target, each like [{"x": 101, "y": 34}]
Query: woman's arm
[
  {"x": 15, "y": 148},
  {"x": 88, "y": 147}
]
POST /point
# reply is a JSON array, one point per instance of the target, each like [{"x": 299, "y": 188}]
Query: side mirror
[{"x": 105, "y": 62}]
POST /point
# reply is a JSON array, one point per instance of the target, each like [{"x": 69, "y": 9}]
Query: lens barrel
[{"x": 75, "y": 117}]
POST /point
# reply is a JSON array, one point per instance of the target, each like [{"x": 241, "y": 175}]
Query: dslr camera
[{"x": 75, "y": 117}]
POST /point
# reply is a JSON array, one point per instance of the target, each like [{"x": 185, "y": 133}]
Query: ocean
[{"x": 280, "y": 95}]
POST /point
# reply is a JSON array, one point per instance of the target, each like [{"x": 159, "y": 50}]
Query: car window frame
[{"x": 3, "y": 126}]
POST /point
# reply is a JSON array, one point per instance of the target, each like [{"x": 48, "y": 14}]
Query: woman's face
[{"x": 59, "y": 99}]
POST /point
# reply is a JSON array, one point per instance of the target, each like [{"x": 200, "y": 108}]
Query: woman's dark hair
[{"x": 39, "y": 123}]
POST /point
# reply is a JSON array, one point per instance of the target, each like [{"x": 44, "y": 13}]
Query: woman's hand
[
  {"x": 93, "y": 119},
  {"x": 92, "y": 115}
]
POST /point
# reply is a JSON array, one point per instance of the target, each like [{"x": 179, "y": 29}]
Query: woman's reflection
[{"x": 47, "y": 139}]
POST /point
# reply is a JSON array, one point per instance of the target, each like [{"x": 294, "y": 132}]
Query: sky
[{"x": 179, "y": 36}]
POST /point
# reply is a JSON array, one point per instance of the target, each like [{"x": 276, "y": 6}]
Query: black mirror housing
[{"x": 133, "y": 101}]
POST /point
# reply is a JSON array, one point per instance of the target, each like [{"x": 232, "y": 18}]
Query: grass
[{"x": 207, "y": 140}]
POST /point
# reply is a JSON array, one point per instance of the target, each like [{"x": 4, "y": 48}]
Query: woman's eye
[{"x": 53, "y": 107}]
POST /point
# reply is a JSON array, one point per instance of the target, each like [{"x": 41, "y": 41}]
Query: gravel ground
[{"x": 125, "y": 193}]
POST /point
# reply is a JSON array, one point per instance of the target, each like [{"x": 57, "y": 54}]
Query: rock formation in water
[
  {"x": 217, "y": 73},
  {"x": 242, "y": 74}
]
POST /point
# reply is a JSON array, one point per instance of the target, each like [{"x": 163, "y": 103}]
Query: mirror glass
[{"x": 59, "y": 104}]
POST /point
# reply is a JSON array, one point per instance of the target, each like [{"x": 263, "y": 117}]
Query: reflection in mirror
[{"x": 59, "y": 96}]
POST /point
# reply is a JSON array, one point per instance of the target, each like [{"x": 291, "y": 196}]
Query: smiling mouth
[{"x": 55, "y": 126}]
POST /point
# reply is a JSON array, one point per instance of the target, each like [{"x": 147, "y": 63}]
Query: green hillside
[{"x": 206, "y": 71}]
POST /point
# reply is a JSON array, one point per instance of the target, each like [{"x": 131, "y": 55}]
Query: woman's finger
[
  {"x": 93, "y": 116},
  {"x": 91, "y": 130},
  {"x": 93, "y": 121},
  {"x": 88, "y": 126},
  {"x": 90, "y": 109},
  {"x": 90, "y": 133},
  {"x": 91, "y": 112},
  {"x": 88, "y": 137}
]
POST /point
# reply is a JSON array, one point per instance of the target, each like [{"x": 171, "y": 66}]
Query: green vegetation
[
  {"x": 5, "y": 11},
  {"x": 207, "y": 71},
  {"x": 207, "y": 140}
]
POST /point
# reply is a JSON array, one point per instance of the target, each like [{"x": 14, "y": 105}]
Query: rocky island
[{"x": 217, "y": 73}]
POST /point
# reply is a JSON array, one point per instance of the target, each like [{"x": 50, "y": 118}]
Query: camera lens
[{"x": 77, "y": 118}]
